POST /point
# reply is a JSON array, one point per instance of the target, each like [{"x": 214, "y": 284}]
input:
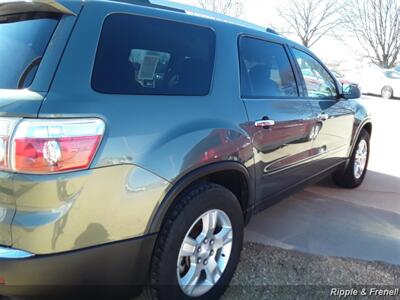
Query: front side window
[
  {"x": 265, "y": 70},
  {"x": 319, "y": 83},
  {"x": 148, "y": 56},
  {"x": 23, "y": 41}
]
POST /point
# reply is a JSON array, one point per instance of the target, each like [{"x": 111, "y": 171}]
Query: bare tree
[
  {"x": 234, "y": 8},
  {"x": 311, "y": 20},
  {"x": 376, "y": 25}
]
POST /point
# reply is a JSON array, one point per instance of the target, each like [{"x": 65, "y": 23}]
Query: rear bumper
[{"x": 117, "y": 268}]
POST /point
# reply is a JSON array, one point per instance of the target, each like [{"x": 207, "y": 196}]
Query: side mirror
[{"x": 351, "y": 91}]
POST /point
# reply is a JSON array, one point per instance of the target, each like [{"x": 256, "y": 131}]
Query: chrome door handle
[
  {"x": 323, "y": 117},
  {"x": 264, "y": 123}
]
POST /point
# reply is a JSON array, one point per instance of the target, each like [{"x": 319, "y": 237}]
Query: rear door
[
  {"x": 334, "y": 116},
  {"x": 280, "y": 121}
]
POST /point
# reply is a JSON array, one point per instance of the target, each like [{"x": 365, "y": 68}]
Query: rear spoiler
[{"x": 24, "y": 6}]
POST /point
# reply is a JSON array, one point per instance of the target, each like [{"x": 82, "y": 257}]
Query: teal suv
[{"x": 137, "y": 139}]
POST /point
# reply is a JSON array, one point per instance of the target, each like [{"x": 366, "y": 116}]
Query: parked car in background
[
  {"x": 381, "y": 82},
  {"x": 137, "y": 139},
  {"x": 342, "y": 78},
  {"x": 346, "y": 82}
]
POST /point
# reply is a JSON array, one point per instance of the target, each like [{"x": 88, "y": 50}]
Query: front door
[
  {"x": 280, "y": 122},
  {"x": 335, "y": 116}
]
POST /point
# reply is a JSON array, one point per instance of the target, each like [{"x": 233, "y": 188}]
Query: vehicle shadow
[
  {"x": 379, "y": 96},
  {"x": 323, "y": 219}
]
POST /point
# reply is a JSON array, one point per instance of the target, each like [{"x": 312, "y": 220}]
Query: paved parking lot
[{"x": 362, "y": 223}]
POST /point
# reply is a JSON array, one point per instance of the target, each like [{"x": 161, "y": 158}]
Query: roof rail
[
  {"x": 192, "y": 10},
  {"x": 196, "y": 11},
  {"x": 150, "y": 4}
]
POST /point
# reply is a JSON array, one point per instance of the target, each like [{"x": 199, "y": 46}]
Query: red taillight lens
[
  {"x": 54, "y": 155},
  {"x": 45, "y": 146}
]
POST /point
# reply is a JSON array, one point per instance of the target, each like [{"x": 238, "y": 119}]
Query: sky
[{"x": 329, "y": 49}]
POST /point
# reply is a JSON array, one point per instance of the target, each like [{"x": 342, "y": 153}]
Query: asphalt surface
[
  {"x": 363, "y": 223},
  {"x": 267, "y": 272}
]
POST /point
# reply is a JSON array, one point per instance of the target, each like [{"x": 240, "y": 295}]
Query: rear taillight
[
  {"x": 7, "y": 126},
  {"x": 42, "y": 146}
]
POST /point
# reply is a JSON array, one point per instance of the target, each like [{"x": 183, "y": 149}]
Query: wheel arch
[
  {"x": 367, "y": 125},
  {"x": 232, "y": 175}
]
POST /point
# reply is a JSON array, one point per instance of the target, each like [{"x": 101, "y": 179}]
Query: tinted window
[
  {"x": 265, "y": 70},
  {"x": 144, "y": 56},
  {"x": 319, "y": 83},
  {"x": 23, "y": 40}
]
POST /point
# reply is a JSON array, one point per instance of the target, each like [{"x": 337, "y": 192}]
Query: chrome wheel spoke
[
  {"x": 188, "y": 247},
  {"x": 223, "y": 238},
  {"x": 190, "y": 280},
  {"x": 210, "y": 277},
  {"x": 210, "y": 222},
  {"x": 213, "y": 272}
]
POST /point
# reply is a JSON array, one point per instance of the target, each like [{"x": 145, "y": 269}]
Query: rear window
[
  {"x": 23, "y": 41},
  {"x": 148, "y": 56}
]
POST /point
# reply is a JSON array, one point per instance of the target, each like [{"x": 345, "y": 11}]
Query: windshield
[{"x": 23, "y": 39}]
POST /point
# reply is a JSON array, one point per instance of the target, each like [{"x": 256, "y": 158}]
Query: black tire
[
  {"x": 346, "y": 177},
  {"x": 188, "y": 208},
  {"x": 387, "y": 92}
]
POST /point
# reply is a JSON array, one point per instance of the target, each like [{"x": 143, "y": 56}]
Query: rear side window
[
  {"x": 265, "y": 70},
  {"x": 148, "y": 56},
  {"x": 23, "y": 41}
]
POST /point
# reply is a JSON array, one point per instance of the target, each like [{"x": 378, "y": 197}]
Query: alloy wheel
[
  {"x": 204, "y": 253},
  {"x": 361, "y": 158},
  {"x": 387, "y": 92}
]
